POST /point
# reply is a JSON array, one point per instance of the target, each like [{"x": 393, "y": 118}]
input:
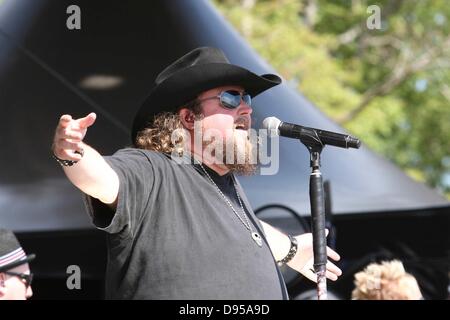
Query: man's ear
[{"x": 187, "y": 118}]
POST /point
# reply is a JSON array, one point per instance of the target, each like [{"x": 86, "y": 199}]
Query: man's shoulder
[
  {"x": 138, "y": 153},
  {"x": 159, "y": 162},
  {"x": 154, "y": 158}
]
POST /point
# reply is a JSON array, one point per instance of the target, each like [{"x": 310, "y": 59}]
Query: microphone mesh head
[{"x": 272, "y": 124}]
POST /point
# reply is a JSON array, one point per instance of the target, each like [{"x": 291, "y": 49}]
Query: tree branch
[
  {"x": 445, "y": 91},
  {"x": 402, "y": 70}
]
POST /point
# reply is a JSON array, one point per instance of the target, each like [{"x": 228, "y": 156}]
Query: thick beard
[
  {"x": 249, "y": 165},
  {"x": 244, "y": 162}
]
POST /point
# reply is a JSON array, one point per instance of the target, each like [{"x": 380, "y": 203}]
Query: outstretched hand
[
  {"x": 69, "y": 134},
  {"x": 303, "y": 261}
]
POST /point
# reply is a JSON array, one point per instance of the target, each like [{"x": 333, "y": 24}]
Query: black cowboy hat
[
  {"x": 11, "y": 253},
  {"x": 200, "y": 70}
]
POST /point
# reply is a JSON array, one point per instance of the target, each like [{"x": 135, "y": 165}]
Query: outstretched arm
[
  {"x": 91, "y": 174},
  {"x": 304, "y": 259}
]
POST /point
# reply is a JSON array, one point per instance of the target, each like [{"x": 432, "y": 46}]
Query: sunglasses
[
  {"x": 231, "y": 99},
  {"x": 24, "y": 277}
]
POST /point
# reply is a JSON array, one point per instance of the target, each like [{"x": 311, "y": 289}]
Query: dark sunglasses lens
[
  {"x": 247, "y": 99},
  {"x": 230, "y": 99}
]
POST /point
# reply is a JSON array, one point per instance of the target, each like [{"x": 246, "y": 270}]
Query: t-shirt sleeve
[{"x": 136, "y": 180}]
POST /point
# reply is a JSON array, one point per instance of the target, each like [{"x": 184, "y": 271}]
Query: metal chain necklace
[{"x": 255, "y": 235}]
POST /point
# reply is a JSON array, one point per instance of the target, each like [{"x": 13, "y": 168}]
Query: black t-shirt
[{"x": 173, "y": 236}]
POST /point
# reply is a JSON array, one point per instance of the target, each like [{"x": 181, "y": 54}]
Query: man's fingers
[
  {"x": 68, "y": 133},
  {"x": 72, "y": 135},
  {"x": 65, "y": 120},
  {"x": 331, "y": 276},
  {"x": 67, "y": 143},
  {"x": 311, "y": 275},
  {"x": 87, "y": 121},
  {"x": 70, "y": 145},
  {"x": 333, "y": 268},
  {"x": 333, "y": 254}
]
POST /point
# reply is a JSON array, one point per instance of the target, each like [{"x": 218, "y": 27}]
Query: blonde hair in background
[{"x": 385, "y": 281}]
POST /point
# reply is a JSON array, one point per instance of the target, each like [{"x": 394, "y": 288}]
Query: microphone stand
[{"x": 316, "y": 197}]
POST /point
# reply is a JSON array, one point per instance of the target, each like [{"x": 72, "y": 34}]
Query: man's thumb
[{"x": 88, "y": 120}]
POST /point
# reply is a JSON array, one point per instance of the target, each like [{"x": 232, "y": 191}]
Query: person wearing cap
[
  {"x": 185, "y": 229},
  {"x": 15, "y": 276}
]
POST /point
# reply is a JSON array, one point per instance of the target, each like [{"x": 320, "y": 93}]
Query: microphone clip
[{"x": 315, "y": 146}]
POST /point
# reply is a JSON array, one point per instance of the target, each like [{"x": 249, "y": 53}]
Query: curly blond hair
[
  {"x": 385, "y": 281},
  {"x": 157, "y": 136}
]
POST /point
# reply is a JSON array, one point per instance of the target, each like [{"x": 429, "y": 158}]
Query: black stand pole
[{"x": 316, "y": 197}]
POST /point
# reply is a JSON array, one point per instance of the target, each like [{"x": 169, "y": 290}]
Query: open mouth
[
  {"x": 241, "y": 127},
  {"x": 242, "y": 124}
]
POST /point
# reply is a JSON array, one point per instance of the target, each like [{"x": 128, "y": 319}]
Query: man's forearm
[
  {"x": 278, "y": 241},
  {"x": 94, "y": 176}
]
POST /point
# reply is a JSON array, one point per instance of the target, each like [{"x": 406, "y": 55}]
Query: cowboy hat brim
[
  {"x": 185, "y": 85},
  {"x": 17, "y": 263}
]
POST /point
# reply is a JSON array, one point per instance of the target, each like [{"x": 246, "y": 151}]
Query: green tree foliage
[{"x": 389, "y": 86}]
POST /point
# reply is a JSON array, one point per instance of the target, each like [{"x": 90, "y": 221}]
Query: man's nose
[{"x": 245, "y": 108}]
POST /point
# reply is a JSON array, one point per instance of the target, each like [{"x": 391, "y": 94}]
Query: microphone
[{"x": 310, "y": 135}]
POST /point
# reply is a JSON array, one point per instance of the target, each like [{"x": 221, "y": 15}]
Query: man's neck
[{"x": 220, "y": 169}]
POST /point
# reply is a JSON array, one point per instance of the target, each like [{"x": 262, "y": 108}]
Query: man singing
[{"x": 185, "y": 230}]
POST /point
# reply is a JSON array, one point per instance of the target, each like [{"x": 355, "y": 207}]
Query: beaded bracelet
[
  {"x": 67, "y": 163},
  {"x": 291, "y": 253}
]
